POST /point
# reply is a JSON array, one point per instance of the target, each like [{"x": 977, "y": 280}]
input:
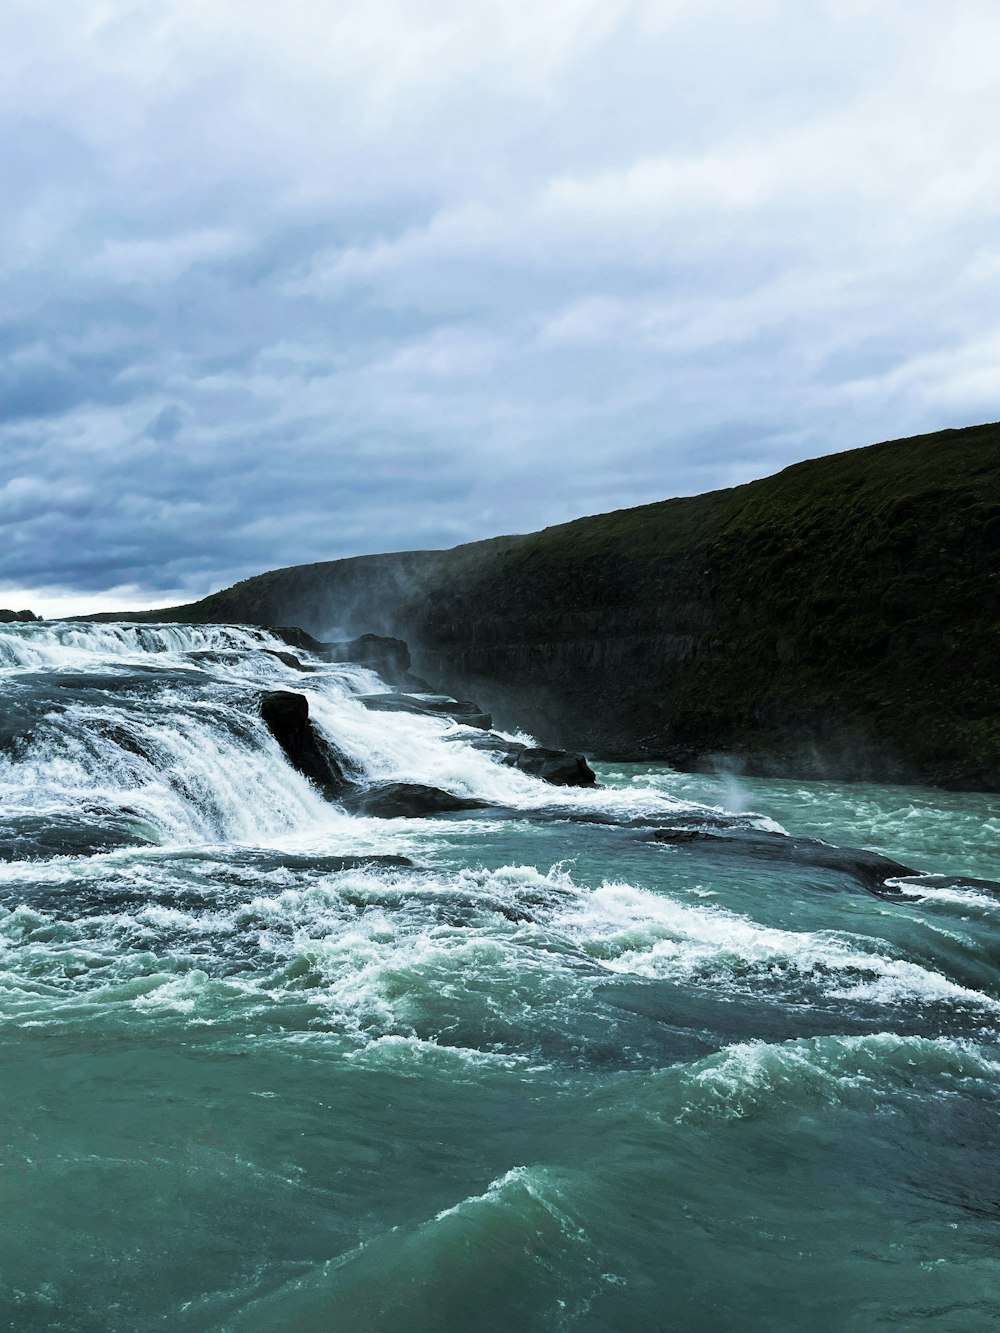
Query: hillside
[{"x": 840, "y": 618}]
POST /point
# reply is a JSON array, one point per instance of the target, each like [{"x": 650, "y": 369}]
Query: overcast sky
[{"x": 286, "y": 282}]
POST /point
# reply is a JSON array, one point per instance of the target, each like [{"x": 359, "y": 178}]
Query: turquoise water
[
  {"x": 930, "y": 829},
  {"x": 551, "y": 1075}
]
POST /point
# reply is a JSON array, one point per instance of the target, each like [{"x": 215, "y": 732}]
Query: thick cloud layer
[{"x": 285, "y": 283}]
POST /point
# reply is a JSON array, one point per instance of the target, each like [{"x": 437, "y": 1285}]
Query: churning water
[{"x": 587, "y": 1059}]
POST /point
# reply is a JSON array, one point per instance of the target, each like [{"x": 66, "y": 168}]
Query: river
[{"x": 588, "y": 1059}]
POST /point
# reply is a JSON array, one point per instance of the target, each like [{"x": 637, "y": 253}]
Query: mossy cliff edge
[{"x": 841, "y": 618}]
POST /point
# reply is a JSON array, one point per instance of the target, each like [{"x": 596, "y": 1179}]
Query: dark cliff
[{"x": 840, "y": 618}]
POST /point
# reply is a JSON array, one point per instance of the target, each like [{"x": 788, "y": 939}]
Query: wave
[
  {"x": 752, "y": 1079},
  {"x": 521, "y": 1245},
  {"x": 401, "y": 961},
  {"x": 649, "y": 935}
]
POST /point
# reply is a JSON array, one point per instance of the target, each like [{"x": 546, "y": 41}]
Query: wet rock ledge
[{"x": 286, "y": 715}]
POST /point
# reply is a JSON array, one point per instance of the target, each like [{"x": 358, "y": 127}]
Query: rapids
[{"x": 272, "y": 1066}]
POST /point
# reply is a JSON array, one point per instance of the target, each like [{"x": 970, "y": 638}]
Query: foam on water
[
  {"x": 68, "y": 645},
  {"x": 415, "y": 1056},
  {"x": 650, "y": 935},
  {"x": 756, "y": 1078},
  {"x": 490, "y": 961},
  {"x": 967, "y": 897}
]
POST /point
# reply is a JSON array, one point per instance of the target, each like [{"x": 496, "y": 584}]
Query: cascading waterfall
[
  {"x": 577, "y": 1058},
  {"x": 163, "y": 720}
]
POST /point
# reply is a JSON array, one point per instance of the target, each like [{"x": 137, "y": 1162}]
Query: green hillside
[{"x": 841, "y": 617}]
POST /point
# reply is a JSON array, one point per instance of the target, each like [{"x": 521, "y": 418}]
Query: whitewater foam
[
  {"x": 755, "y": 1078},
  {"x": 633, "y": 931}
]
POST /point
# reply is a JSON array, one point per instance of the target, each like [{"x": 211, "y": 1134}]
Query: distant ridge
[{"x": 841, "y": 618}]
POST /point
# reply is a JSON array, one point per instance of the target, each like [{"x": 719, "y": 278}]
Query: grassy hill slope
[{"x": 841, "y": 617}]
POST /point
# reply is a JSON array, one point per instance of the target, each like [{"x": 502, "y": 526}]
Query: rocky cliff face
[{"x": 841, "y": 618}]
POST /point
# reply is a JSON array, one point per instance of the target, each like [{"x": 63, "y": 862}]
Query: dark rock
[
  {"x": 289, "y": 659},
  {"x": 333, "y": 865},
  {"x": 514, "y": 914},
  {"x": 214, "y": 656},
  {"x": 395, "y": 800},
  {"x": 869, "y": 869},
  {"x": 297, "y": 638},
  {"x": 429, "y": 705},
  {"x": 415, "y": 684},
  {"x": 389, "y": 657},
  {"x": 22, "y": 617},
  {"x": 124, "y": 739},
  {"x": 141, "y": 680},
  {"x": 490, "y": 742},
  {"x": 560, "y": 767},
  {"x": 286, "y": 716},
  {"x": 235, "y": 655},
  {"x": 39, "y": 837}
]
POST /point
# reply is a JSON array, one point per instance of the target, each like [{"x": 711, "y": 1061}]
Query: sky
[{"x": 284, "y": 283}]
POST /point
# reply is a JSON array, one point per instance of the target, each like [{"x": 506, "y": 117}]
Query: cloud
[{"x": 371, "y": 276}]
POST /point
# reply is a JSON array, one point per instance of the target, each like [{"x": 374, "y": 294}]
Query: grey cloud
[
  {"x": 375, "y": 276},
  {"x": 166, "y": 424}
]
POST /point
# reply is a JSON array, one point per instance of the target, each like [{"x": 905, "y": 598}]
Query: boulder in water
[
  {"x": 402, "y": 800},
  {"x": 38, "y": 837},
  {"x": 286, "y": 716},
  {"x": 563, "y": 768},
  {"x": 22, "y": 617},
  {"x": 489, "y": 741},
  {"x": 430, "y": 705},
  {"x": 331, "y": 865},
  {"x": 870, "y": 870},
  {"x": 124, "y": 738},
  {"x": 289, "y": 659}
]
